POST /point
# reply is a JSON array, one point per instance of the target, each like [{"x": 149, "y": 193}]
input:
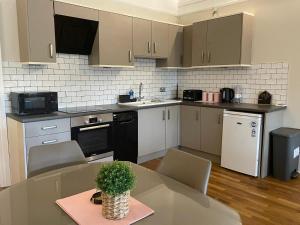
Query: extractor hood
[{"x": 74, "y": 35}]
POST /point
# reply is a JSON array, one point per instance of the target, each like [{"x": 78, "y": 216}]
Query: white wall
[
  {"x": 9, "y": 30},
  {"x": 4, "y": 157}
]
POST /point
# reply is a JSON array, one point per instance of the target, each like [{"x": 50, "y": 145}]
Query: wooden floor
[{"x": 259, "y": 201}]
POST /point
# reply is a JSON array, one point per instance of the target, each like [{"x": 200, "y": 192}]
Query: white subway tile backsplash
[
  {"x": 79, "y": 84},
  {"x": 272, "y": 77}
]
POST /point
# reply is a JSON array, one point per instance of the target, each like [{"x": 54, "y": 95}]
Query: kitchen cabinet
[
  {"x": 150, "y": 39},
  {"x": 36, "y": 31},
  {"x": 172, "y": 126},
  {"x": 23, "y": 136},
  {"x": 160, "y": 37},
  {"x": 152, "y": 130},
  {"x": 223, "y": 41},
  {"x": 211, "y": 130},
  {"x": 190, "y": 127},
  {"x": 158, "y": 130},
  {"x": 201, "y": 129},
  {"x": 175, "y": 49},
  {"x": 142, "y": 38},
  {"x": 199, "y": 43},
  {"x": 113, "y": 42},
  {"x": 187, "y": 46}
]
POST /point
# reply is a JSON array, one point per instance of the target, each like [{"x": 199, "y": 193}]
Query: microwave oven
[{"x": 32, "y": 103}]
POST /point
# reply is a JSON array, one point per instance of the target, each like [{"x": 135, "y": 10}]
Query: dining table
[{"x": 33, "y": 201}]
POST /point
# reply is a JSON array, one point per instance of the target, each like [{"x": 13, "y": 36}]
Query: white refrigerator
[{"x": 241, "y": 143}]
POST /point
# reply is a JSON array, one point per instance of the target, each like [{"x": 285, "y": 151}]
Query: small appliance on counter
[
  {"x": 227, "y": 95},
  {"x": 265, "y": 98},
  {"x": 126, "y": 98},
  {"x": 238, "y": 94},
  {"x": 192, "y": 95},
  {"x": 33, "y": 103}
]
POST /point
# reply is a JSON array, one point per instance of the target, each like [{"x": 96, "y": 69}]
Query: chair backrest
[
  {"x": 45, "y": 158},
  {"x": 186, "y": 168}
]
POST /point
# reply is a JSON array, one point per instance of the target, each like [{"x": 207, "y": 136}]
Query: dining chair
[
  {"x": 45, "y": 158},
  {"x": 186, "y": 168}
]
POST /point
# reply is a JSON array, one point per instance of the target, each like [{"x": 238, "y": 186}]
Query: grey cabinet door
[
  {"x": 160, "y": 37},
  {"x": 199, "y": 43},
  {"x": 190, "y": 127},
  {"x": 152, "y": 130},
  {"x": 211, "y": 130},
  {"x": 142, "y": 46},
  {"x": 224, "y": 37},
  {"x": 172, "y": 126},
  {"x": 115, "y": 41},
  {"x": 36, "y": 31},
  {"x": 175, "y": 49},
  {"x": 187, "y": 46}
]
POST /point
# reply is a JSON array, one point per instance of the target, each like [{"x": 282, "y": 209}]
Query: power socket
[{"x": 162, "y": 89}]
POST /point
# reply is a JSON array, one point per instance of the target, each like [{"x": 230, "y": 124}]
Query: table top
[{"x": 32, "y": 202}]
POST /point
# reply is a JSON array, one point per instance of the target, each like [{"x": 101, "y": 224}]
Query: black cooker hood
[{"x": 74, "y": 35}]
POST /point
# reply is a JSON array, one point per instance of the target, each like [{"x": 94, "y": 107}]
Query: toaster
[{"x": 192, "y": 95}]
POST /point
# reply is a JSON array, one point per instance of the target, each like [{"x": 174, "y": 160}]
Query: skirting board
[{"x": 151, "y": 156}]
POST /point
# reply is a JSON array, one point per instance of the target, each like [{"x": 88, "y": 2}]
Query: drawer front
[
  {"x": 36, "y": 129},
  {"x": 47, "y": 140}
]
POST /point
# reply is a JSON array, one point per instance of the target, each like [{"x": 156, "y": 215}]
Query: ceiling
[{"x": 180, "y": 7}]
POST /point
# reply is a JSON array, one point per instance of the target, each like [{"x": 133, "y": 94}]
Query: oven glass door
[{"x": 94, "y": 140}]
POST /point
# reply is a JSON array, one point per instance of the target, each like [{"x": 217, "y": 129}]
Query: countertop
[
  {"x": 114, "y": 108},
  {"x": 173, "y": 202},
  {"x": 241, "y": 107}
]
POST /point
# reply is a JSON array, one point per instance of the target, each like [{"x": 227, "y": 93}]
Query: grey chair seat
[
  {"x": 186, "y": 168},
  {"x": 45, "y": 158}
]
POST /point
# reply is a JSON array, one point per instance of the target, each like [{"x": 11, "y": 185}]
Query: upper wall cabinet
[
  {"x": 187, "y": 46},
  {"x": 113, "y": 42},
  {"x": 36, "y": 31},
  {"x": 175, "y": 48},
  {"x": 150, "y": 39},
  {"x": 142, "y": 38},
  {"x": 223, "y": 41},
  {"x": 75, "y": 11},
  {"x": 160, "y": 38}
]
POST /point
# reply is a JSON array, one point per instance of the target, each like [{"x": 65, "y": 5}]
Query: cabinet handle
[
  {"x": 164, "y": 115},
  {"x": 49, "y": 128},
  {"x": 203, "y": 56},
  {"x": 209, "y": 57},
  {"x": 154, "y": 47},
  {"x": 197, "y": 115},
  {"x": 169, "y": 114},
  {"x": 219, "y": 119},
  {"x": 94, "y": 128},
  {"x": 149, "y": 47},
  {"x": 130, "y": 56},
  {"x": 51, "y": 50},
  {"x": 49, "y": 142}
]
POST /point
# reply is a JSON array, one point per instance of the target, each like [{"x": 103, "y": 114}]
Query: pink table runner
[{"x": 83, "y": 212}]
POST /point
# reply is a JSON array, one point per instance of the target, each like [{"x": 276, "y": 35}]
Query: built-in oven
[{"x": 94, "y": 135}]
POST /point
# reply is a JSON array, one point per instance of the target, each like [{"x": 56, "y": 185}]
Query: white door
[
  {"x": 152, "y": 130},
  {"x": 241, "y": 143},
  {"x": 172, "y": 126},
  {"x": 4, "y": 157}
]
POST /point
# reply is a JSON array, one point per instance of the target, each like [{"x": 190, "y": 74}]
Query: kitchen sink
[{"x": 152, "y": 102}]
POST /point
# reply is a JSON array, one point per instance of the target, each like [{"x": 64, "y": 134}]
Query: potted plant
[{"x": 115, "y": 180}]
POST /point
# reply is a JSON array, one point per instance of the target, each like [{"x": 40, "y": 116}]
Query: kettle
[{"x": 227, "y": 95}]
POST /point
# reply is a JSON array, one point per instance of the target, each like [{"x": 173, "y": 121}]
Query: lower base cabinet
[
  {"x": 201, "y": 129},
  {"x": 158, "y": 129}
]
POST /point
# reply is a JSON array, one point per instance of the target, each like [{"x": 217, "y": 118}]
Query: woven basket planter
[{"x": 115, "y": 208}]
